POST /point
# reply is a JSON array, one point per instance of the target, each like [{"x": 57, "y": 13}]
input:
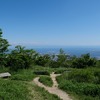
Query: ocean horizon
[{"x": 94, "y": 51}]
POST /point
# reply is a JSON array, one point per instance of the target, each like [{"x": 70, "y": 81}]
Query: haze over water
[{"x": 70, "y": 50}]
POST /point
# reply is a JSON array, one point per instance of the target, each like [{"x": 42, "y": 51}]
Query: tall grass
[
  {"x": 23, "y": 75},
  {"x": 85, "y": 75},
  {"x": 13, "y": 90},
  {"x": 46, "y": 80}
]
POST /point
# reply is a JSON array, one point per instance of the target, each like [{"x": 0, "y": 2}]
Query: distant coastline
[{"x": 70, "y": 50}]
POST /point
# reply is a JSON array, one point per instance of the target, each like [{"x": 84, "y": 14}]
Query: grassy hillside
[
  {"x": 13, "y": 90},
  {"x": 20, "y": 86},
  {"x": 83, "y": 84}
]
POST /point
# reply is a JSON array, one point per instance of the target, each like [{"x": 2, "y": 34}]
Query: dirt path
[{"x": 54, "y": 89}]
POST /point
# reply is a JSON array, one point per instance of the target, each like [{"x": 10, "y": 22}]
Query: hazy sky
[{"x": 51, "y": 22}]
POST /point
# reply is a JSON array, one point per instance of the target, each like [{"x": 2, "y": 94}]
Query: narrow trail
[{"x": 54, "y": 89}]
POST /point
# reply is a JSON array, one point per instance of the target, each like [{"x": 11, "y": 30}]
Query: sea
[{"x": 94, "y": 51}]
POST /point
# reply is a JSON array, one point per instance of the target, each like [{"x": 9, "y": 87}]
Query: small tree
[
  {"x": 21, "y": 58},
  {"x": 3, "y": 48},
  {"x": 62, "y": 59},
  {"x": 43, "y": 60},
  {"x": 3, "y": 44}
]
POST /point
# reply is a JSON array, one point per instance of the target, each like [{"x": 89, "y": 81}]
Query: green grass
[
  {"x": 39, "y": 93},
  {"x": 83, "y": 83},
  {"x": 60, "y": 70},
  {"x": 23, "y": 75},
  {"x": 21, "y": 90},
  {"x": 28, "y": 74},
  {"x": 40, "y": 68},
  {"x": 3, "y": 69},
  {"x": 46, "y": 80},
  {"x": 13, "y": 90},
  {"x": 89, "y": 75},
  {"x": 18, "y": 86},
  {"x": 50, "y": 70}
]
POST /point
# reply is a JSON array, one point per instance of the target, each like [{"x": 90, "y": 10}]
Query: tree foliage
[
  {"x": 43, "y": 60},
  {"x": 83, "y": 61},
  {"x": 60, "y": 60},
  {"x": 3, "y": 48},
  {"x": 3, "y": 43},
  {"x": 21, "y": 58}
]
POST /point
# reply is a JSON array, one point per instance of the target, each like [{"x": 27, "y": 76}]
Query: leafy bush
[
  {"x": 3, "y": 48},
  {"x": 43, "y": 60},
  {"x": 21, "y": 58},
  {"x": 54, "y": 64},
  {"x": 83, "y": 61}
]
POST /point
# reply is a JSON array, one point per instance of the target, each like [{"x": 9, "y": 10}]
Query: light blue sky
[{"x": 51, "y": 22}]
